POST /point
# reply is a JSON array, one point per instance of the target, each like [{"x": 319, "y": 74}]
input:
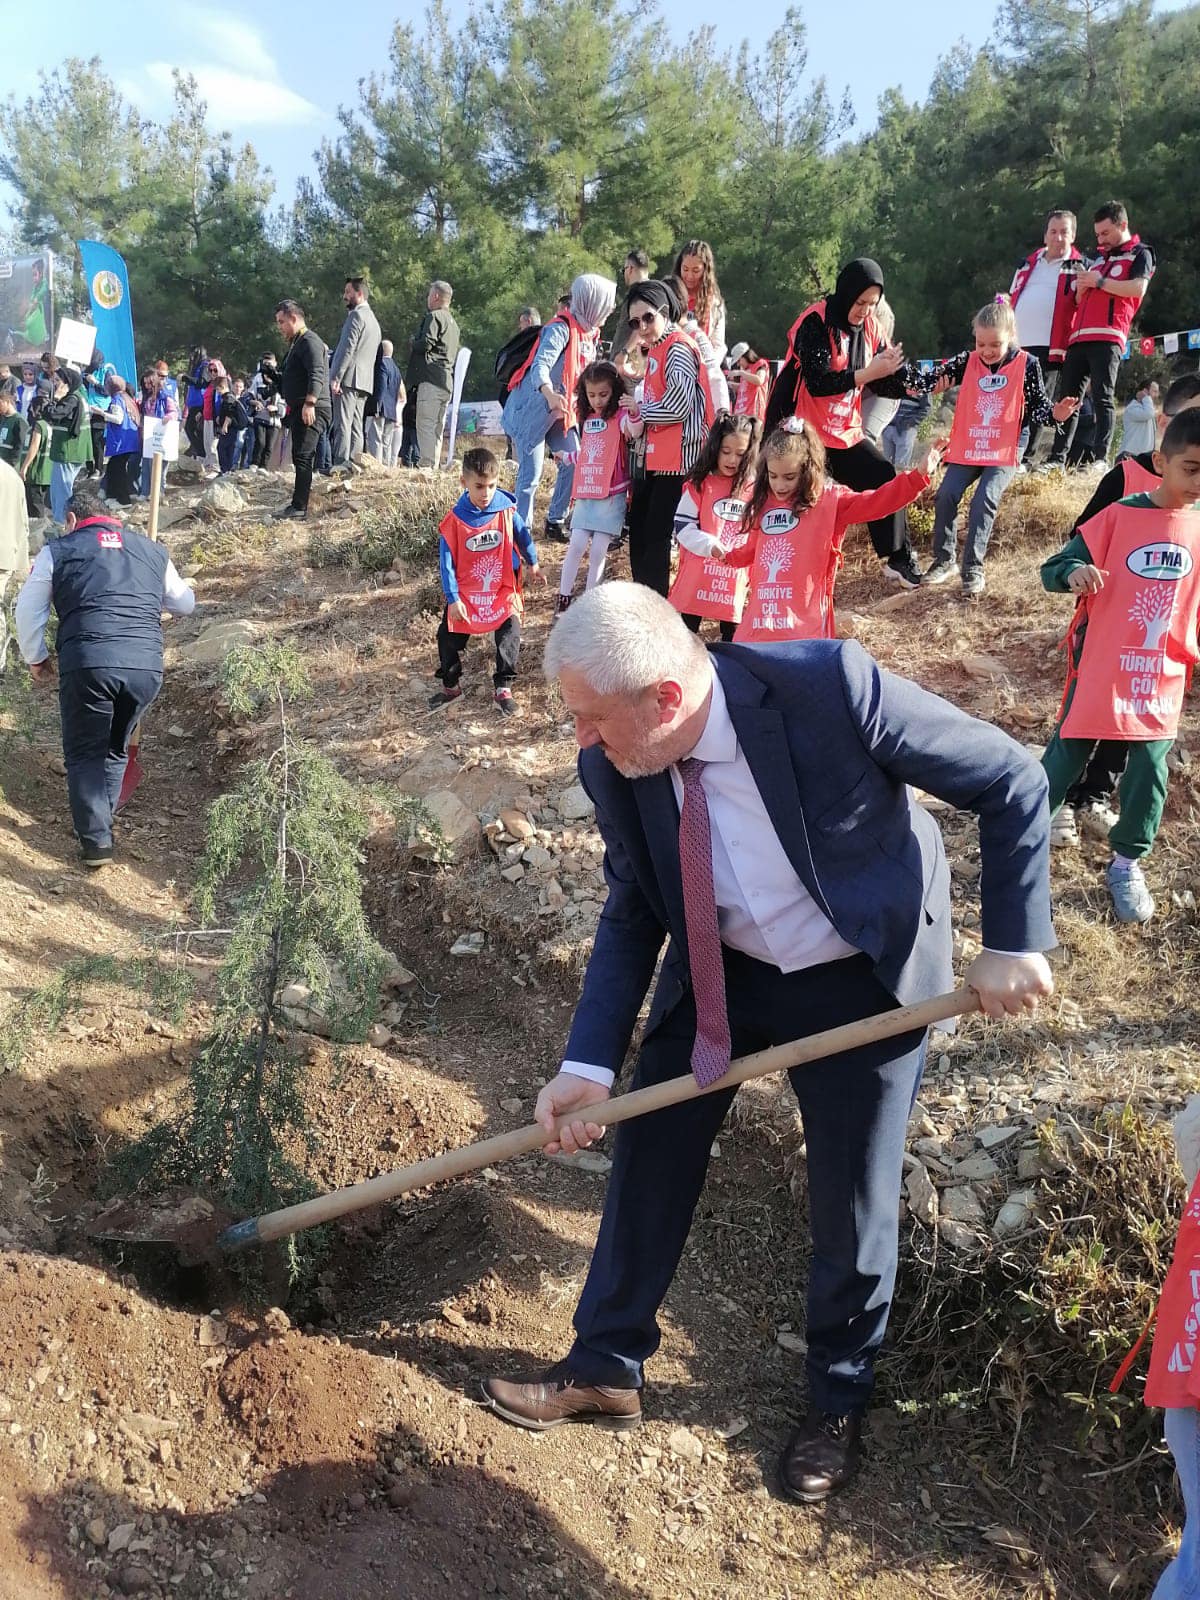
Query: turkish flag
[{"x": 1147, "y": 347}]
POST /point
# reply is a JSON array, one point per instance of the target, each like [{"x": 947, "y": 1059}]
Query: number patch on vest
[{"x": 110, "y": 539}]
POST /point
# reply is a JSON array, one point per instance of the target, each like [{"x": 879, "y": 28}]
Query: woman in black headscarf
[
  {"x": 674, "y": 408},
  {"x": 835, "y": 350}
]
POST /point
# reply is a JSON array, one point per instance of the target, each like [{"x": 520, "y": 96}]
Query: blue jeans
[
  {"x": 855, "y": 1109},
  {"x": 560, "y": 500},
  {"x": 100, "y": 706},
  {"x": 993, "y": 481},
  {"x": 147, "y": 467},
  {"x": 62, "y": 481},
  {"x": 529, "y": 470},
  {"x": 1181, "y": 1580}
]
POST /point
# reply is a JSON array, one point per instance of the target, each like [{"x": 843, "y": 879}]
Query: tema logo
[
  {"x": 595, "y": 425},
  {"x": 729, "y": 510},
  {"x": 487, "y": 540},
  {"x": 107, "y": 290},
  {"x": 1164, "y": 561},
  {"x": 781, "y": 521},
  {"x": 992, "y": 381}
]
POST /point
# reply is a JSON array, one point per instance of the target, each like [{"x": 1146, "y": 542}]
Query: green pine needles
[{"x": 283, "y": 859}]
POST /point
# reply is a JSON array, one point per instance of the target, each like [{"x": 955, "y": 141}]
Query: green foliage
[
  {"x": 165, "y": 985},
  {"x": 285, "y": 850},
  {"x": 509, "y": 150}
]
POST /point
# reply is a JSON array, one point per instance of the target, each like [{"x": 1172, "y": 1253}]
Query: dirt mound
[{"x": 299, "y": 1399}]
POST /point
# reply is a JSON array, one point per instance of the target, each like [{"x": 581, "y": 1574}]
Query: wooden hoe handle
[{"x": 520, "y": 1141}]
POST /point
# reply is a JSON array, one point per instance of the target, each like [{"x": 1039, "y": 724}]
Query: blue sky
[{"x": 275, "y": 76}]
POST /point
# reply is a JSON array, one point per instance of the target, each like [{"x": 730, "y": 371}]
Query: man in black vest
[{"x": 109, "y": 586}]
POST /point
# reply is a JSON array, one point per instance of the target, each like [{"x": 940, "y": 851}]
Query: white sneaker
[{"x": 1063, "y": 830}]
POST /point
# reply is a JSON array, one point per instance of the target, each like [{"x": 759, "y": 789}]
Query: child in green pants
[{"x": 1132, "y": 645}]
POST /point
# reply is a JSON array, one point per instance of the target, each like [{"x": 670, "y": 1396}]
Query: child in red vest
[
  {"x": 1092, "y": 794},
  {"x": 708, "y": 524},
  {"x": 754, "y": 382},
  {"x": 483, "y": 542},
  {"x": 1174, "y": 1378},
  {"x": 796, "y": 522},
  {"x": 601, "y": 465},
  {"x": 1001, "y": 396},
  {"x": 1132, "y": 645}
]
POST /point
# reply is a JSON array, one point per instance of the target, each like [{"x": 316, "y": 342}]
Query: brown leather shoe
[
  {"x": 548, "y": 1399},
  {"x": 821, "y": 1457}
]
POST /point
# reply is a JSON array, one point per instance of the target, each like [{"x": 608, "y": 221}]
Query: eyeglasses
[{"x": 646, "y": 320}]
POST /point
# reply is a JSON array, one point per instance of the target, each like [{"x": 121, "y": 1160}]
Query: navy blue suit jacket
[{"x": 833, "y": 742}]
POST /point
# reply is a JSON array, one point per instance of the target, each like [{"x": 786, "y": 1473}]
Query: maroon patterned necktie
[{"x": 710, "y": 1053}]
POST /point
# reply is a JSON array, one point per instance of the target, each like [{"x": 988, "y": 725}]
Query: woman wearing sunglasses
[
  {"x": 541, "y": 395},
  {"x": 677, "y": 407}
]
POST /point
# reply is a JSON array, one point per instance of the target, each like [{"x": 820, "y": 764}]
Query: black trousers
[
  {"x": 1098, "y": 362},
  {"x": 864, "y": 466},
  {"x": 305, "y": 440},
  {"x": 653, "y": 501},
  {"x": 855, "y": 1109},
  {"x": 262, "y": 444},
  {"x": 122, "y": 477},
  {"x": 1052, "y": 374},
  {"x": 1102, "y": 774},
  {"x": 728, "y": 629},
  {"x": 451, "y": 647},
  {"x": 37, "y": 499},
  {"x": 99, "y": 707},
  {"x": 193, "y": 432},
  {"x": 97, "y": 426}
]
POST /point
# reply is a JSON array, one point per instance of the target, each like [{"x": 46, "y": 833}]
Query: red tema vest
[
  {"x": 836, "y": 417},
  {"x": 600, "y": 458},
  {"x": 704, "y": 585},
  {"x": 987, "y": 417},
  {"x": 796, "y": 557},
  {"x": 483, "y": 566},
  {"x": 1140, "y": 645}
]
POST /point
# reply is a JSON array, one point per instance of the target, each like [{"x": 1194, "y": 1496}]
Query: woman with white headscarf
[{"x": 540, "y": 408}]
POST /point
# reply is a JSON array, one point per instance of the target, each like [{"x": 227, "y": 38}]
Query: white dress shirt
[
  {"x": 36, "y": 596},
  {"x": 763, "y": 909}
]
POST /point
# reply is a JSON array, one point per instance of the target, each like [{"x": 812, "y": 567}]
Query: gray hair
[
  {"x": 387, "y": 346},
  {"x": 621, "y": 638},
  {"x": 442, "y": 289}
]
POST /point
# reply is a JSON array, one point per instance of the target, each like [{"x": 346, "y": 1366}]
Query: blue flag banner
[
  {"x": 108, "y": 289},
  {"x": 1194, "y": 339}
]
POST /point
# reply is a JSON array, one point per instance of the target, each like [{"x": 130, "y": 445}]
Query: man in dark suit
[
  {"x": 755, "y": 808},
  {"x": 352, "y": 371},
  {"x": 304, "y": 385}
]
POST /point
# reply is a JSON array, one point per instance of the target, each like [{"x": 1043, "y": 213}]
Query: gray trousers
[
  {"x": 347, "y": 432},
  {"x": 383, "y": 440}
]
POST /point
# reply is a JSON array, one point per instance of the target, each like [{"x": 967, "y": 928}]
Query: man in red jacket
[
  {"x": 1108, "y": 295},
  {"x": 1043, "y": 297}
]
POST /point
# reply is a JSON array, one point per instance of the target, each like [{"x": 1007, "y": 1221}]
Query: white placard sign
[
  {"x": 75, "y": 342},
  {"x": 461, "y": 363},
  {"x": 160, "y": 437}
]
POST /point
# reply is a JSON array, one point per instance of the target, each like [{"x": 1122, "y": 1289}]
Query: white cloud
[
  {"x": 234, "y": 43},
  {"x": 239, "y": 99}
]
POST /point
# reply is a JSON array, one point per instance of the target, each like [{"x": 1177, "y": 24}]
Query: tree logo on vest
[
  {"x": 1164, "y": 561},
  {"x": 488, "y": 539},
  {"x": 782, "y": 520},
  {"x": 107, "y": 290},
  {"x": 729, "y": 510},
  {"x": 993, "y": 380}
]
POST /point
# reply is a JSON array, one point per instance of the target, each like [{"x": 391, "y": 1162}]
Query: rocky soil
[{"x": 161, "y": 1437}]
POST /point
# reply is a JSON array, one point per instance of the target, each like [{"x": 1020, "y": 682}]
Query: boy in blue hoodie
[{"x": 483, "y": 542}]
